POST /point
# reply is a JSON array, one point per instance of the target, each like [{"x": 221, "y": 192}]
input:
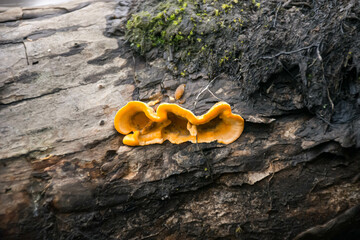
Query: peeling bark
[{"x": 64, "y": 172}]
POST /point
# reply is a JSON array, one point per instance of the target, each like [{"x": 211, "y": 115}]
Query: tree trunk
[{"x": 65, "y": 173}]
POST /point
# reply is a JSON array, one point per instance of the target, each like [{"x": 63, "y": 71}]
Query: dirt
[{"x": 308, "y": 48}]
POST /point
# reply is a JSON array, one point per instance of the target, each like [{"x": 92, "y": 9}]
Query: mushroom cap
[
  {"x": 176, "y": 124},
  {"x": 133, "y": 116}
]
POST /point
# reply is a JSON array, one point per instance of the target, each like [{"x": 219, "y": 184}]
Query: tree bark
[{"x": 65, "y": 174}]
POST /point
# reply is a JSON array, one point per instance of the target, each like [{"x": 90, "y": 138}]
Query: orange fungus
[
  {"x": 179, "y": 91},
  {"x": 143, "y": 126}
]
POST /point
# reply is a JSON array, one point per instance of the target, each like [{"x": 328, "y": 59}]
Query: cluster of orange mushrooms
[{"x": 143, "y": 126}]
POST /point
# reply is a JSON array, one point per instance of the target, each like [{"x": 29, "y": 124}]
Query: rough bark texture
[{"x": 65, "y": 174}]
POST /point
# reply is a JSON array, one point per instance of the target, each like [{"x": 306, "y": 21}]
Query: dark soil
[{"x": 269, "y": 48}]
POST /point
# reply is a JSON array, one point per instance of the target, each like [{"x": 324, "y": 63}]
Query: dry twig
[
  {"x": 290, "y": 52},
  {"x": 206, "y": 88}
]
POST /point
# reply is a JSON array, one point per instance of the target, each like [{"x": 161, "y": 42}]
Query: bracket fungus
[{"x": 143, "y": 126}]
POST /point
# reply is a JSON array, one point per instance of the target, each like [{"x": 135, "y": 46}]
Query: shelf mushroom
[{"x": 143, "y": 126}]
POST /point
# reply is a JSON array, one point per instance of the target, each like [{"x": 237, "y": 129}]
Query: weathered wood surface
[{"x": 65, "y": 174}]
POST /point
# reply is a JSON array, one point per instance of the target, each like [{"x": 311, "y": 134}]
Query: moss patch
[{"x": 190, "y": 34}]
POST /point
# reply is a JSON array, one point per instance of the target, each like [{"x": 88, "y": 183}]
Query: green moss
[
  {"x": 190, "y": 30},
  {"x": 178, "y": 21},
  {"x": 223, "y": 59},
  {"x": 178, "y": 38},
  {"x": 140, "y": 20},
  {"x": 256, "y": 4}
]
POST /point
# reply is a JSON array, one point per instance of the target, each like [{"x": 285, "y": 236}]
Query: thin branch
[
  {"x": 276, "y": 13},
  {"x": 323, "y": 75},
  {"x": 318, "y": 53},
  {"x": 213, "y": 95},
  {"x": 296, "y": 4},
  {"x": 291, "y": 52},
  {"x": 329, "y": 98},
  {"x": 312, "y": 63},
  {"x": 301, "y": 4},
  {"x": 326, "y": 121},
  {"x": 286, "y": 4},
  {"x": 203, "y": 90}
]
